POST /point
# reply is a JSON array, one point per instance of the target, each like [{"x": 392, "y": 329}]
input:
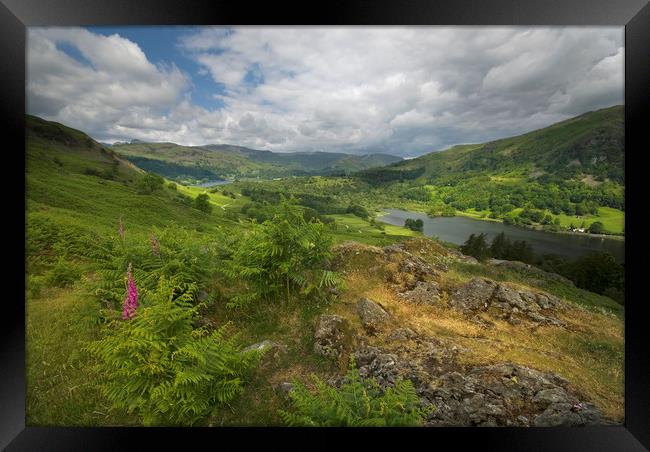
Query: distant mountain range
[
  {"x": 588, "y": 147},
  {"x": 222, "y": 161}
]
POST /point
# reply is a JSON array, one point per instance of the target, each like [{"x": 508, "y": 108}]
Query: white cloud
[{"x": 404, "y": 90}]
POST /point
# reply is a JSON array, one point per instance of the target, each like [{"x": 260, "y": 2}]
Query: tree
[
  {"x": 202, "y": 202},
  {"x": 522, "y": 251},
  {"x": 598, "y": 272},
  {"x": 597, "y": 227},
  {"x": 359, "y": 211},
  {"x": 500, "y": 247},
  {"x": 476, "y": 246},
  {"x": 414, "y": 225},
  {"x": 149, "y": 183}
]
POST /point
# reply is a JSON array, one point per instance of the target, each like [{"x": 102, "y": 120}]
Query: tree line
[{"x": 597, "y": 272}]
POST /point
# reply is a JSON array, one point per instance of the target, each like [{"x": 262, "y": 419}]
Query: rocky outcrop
[
  {"x": 331, "y": 336},
  {"x": 516, "y": 265},
  {"x": 474, "y": 295},
  {"x": 424, "y": 292},
  {"x": 503, "y": 301},
  {"x": 503, "y": 394},
  {"x": 373, "y": 317},
  {"x": 411, "y": 269},
  {"x": 402, "y": 334}
]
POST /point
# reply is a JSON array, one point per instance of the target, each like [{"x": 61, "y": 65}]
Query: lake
[
  {"x": 457, "y": 229},
  {"x": 211, "y": 183}
]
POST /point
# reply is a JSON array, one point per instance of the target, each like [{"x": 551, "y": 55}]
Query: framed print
[{"x": 285, "y": 222}]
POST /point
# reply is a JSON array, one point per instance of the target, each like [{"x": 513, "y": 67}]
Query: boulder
[
  {"x": 284, "y": 389},
  {"x": 330, "y": 336},
  {"x": 503, "y": 301},
  {"x": 474, "y": 295},
  {"x": 424, "y": 292},
  {"x": 372, "y": 316},
  {"x": 402, "y": 334},
  {"x": 271, "y": 351}
]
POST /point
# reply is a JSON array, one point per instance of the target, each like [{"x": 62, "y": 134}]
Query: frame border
[{"x": 16, "y": 15}]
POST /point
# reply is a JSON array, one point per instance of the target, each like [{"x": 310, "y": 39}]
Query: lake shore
[
  {"x": 460, "y": 213},
  {"x": 458, "y": 228}
]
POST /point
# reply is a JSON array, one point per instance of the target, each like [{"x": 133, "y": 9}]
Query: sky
[{"x": 400, "y": 90}]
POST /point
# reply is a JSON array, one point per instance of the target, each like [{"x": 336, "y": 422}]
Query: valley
[{"x": 246, "y": 290}]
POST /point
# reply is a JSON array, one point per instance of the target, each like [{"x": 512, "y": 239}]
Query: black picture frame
[{"x": 15, "y": 15}]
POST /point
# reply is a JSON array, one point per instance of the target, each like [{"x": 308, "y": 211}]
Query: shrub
[
  {"x": 149, "y": 184},
  {"x": 63, "y": 274},
  {"x": 172, "y": 186},
  {"x": 202, "y": 202},
  {"x": 35, "y": 285},
  {"x": 358, "y": 402},
  {"x": 414, "y": 225},
  {"x": 158, "y": 365},
  {"x": 357, "y": 210},
  {"x": 177, "y": 255},
  {"x": 282, "y": 256},
  {"x": 597, "y": 227},
  {"x": 183, "y": 199}
]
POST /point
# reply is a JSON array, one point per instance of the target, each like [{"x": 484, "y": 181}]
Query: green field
[{"x": 612, "y": 219}]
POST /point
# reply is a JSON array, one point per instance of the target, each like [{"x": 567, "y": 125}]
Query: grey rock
[
  {"x": 284, "y": 389},
  {"x": 558, "y": 415},
  {"x": 546, "y": 397},
  {"x": 268, "y": 347},
  {"x": 511, "y": 297},
  {"x": 474, "y": 295},
  {"x": 271, "y": 351},
  {"x": 372, "y": 315},
  {"x": 503, "y": 301},
  {"x": 330, "y": 336},
  {"x": 402, "y": 334},
  {"x": 424, "y": 292}
]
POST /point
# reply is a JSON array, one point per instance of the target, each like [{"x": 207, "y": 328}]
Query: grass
[
  {"x": 352, "y": 228},
  {"x": 589, "y": 353},
  {"x": 61, "y": 388},
  {"x": 613, "y": 219},
  {"x": 69, "y": 211}
]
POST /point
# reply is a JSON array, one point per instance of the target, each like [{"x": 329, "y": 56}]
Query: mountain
[
  {"x": 569, "y": 174},
  {"x": 196, "y": 163},
  {"x": 76, "y": 186},
  {"x": 588, "y": 147}
]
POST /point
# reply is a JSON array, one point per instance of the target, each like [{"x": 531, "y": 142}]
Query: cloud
[
  {"x": 403, "y": 90},
  {"x": 110, "y": 82}
]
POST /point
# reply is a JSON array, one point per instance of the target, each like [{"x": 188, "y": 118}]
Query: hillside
[
  {"x": 479, "y": 344},
  {"x": 591, "y": 144},
  {"x": 553, "y": 177},
  {"x": 210, "y": 162}
]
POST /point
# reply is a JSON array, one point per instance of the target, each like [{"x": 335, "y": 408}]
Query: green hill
[
  {"x": 557, "y": 176},
  {"x": 266, "y": 286},
  {"x": 591, "y": 144},
  {"x": 210, "y": 162}
]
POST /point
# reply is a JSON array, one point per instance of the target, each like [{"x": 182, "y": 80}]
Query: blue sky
[
  {"x": 399, "y": 90},
  {"x": 160, "y": 44}
]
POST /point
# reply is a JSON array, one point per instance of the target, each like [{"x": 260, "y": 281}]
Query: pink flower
[{"x": 130, "y": 303}]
